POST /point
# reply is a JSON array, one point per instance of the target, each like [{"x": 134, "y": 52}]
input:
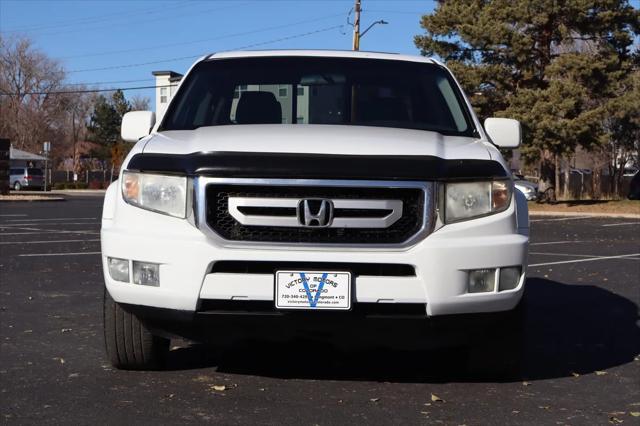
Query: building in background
[{"x": 166, "y": 85}]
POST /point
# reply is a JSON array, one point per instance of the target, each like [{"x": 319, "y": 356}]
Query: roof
[
  {"x": 171, "y": 74},
  {"x": 322, "y": 53},
  {"x": 18, "y": 154}
]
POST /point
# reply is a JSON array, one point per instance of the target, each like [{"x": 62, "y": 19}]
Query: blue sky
[{"x": 86, "y": 35}]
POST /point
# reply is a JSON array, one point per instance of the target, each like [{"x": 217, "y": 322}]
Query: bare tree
[
  {"x": 140, "y": 103},
  {"x": 31, "y": 114}
]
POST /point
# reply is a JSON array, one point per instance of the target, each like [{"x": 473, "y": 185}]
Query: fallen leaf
[
  {"x": 515, "y": 412},
  {"x": 526, "y": 384},
  {"x": 574, "y": 374},
  {"x": 374, "y": 399},
  {"x": 73, "y": 375},
  {"x": 66, "y": 330},
  {"x": 600, "y": 373},
  {"x": 219, "y": 388},
  {"x": 615, "y": 420},
  {"x": 544, "y": 407},
  {"x": 171, "y": 395},
  {"x": 261, "y": 389},
  {"x": 635, "y": 413},
  {"x": 436, "y": 398}
]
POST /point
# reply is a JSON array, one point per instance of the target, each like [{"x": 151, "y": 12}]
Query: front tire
[
  {"x": 129, "y": 343},
  {"x": 498, "y": 353},
  {"x": 17, "y": 186}
]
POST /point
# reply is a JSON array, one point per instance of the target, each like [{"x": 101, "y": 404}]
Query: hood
[{"x": 316, "y": 139}]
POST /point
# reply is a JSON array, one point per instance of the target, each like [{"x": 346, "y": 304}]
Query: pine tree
[
  {"x": 104, "y": 127},
  {"x": 549, "y": 63}
]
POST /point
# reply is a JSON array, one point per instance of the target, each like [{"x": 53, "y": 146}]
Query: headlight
[
  {"x": 466, "y": 200},
  {"x": 159, "y": 193}
]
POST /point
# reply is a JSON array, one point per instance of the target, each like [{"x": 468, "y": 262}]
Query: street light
[{"x": 381, "y": 22}]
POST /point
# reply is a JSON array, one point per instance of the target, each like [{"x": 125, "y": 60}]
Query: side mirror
[
  {"x": 504, "y": 132},
  {"x": 137, "y": 124}
]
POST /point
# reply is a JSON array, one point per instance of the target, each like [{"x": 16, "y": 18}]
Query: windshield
[{"x": 309, "y": 90}]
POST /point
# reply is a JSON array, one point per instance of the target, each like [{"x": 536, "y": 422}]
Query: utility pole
[{"x": 356, "y": 26}]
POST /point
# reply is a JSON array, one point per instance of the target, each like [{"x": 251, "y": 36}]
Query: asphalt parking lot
[{"x": 581, "y": 366}]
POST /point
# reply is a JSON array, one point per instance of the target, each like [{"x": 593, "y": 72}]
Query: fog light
[
  {"x": 482, "y": 280},
  {"x": 118, "y": 269},
  {"x": 509, "y": 278},
  {"x": 146, "y": 273}
]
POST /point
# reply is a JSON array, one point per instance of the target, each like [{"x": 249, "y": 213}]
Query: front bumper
[{"x": 187, "y": 258}]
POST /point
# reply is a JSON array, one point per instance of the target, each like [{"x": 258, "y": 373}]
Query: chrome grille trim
[
  {"x": 428, "y": 221},
  {"x": 293, "y": 221}
]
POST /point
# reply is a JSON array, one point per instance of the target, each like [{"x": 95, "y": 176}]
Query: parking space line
[
  {"x": 12, "y": 215},
  {"x": 46, "y": 242},
  {"x": 593, "y": 259},
  {"x": 561, "y": 218},
  {"x": 564, "y": 254},
  {"x": 52, "y": 232},
  {"x": 555, "y": 242},
  {"x": 622, "y": 224},
  {"x": 52, "y": 220},
  {"x": 58, "y": 254},
  {"x": 13, "y": 225}
]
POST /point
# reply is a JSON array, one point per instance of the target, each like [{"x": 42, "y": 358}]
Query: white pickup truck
[{"x": 312, "y": 186}]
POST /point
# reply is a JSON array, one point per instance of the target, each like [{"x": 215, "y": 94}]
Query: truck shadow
[{"x": 571, "y": 329}]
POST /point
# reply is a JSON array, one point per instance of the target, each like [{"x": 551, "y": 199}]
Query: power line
[
  {"x": 113, "y": 89},
  {"x": 221, "y": 37},
  {"x": 112, "y": 67},
  {"x": 92, "y": 19},
  {"x": 139, "y": 21},
  {"x": 98, "y": 83},
  {"x": 69, "y": 92}
]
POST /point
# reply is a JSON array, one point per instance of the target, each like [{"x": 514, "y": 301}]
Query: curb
[{"x": 585, "y": 214}]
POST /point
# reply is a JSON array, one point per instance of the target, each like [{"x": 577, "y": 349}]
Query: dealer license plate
[{"x": 313, "y": 290}]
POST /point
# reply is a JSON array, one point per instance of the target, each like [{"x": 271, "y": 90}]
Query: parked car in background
[
  {"x": 26, "y": 178},
  {"x": 630, "y": 171},
  {"x": 528, "y": 188}
]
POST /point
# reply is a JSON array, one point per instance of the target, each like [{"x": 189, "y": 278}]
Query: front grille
[
  {"x": 269, "y": 267},
  {"x": 220, "y": 221}
]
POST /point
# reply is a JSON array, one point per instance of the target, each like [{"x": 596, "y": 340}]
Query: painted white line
[
  {"x": 46, "y": 242},
  {"x": 585, "y": 260},
  {"x": 51, "y": 232},
  {"x": 52, "y": 220},
  {"x": 622, "y": 224},
  {"x": 58, "y": 254},
  {"x": 568, "y": 255},
  {"x": 12, "y": 215},
  {"x": 562, "y": 218},
  {"x": 556, "y": 242},
  {"x": 13, "y": 225}
]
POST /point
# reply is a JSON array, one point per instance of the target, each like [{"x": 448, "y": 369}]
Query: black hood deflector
[{"x": 272, "y": 165}]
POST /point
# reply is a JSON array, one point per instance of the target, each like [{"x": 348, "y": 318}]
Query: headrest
[{"x": 258, "y": 108}]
